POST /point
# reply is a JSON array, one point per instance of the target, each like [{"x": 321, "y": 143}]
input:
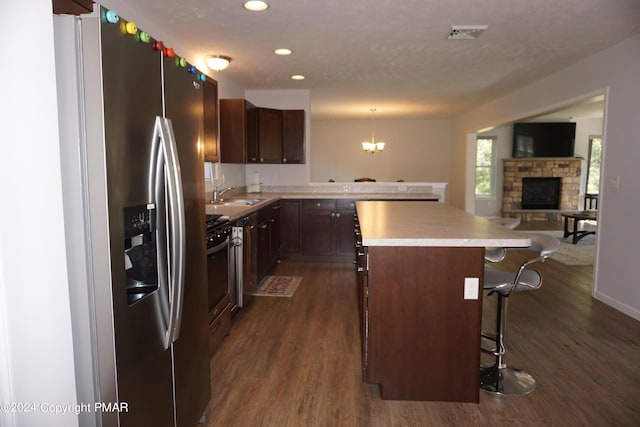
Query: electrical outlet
[{"x": 471, "y": 287}]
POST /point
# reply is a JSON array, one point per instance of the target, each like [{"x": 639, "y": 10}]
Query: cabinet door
[
  {"x": 363, "y": 293},
  {"x": 264, "y": 245},
  {"x": 269, "y": 135},
  {"x": 293, "y": 136},
  {"x": 290, "y": 227},
  {"x": 275, "y": 233},
  {"x": 210, "y": 103},
  {"x": 268, "y": 238},
  {"x": 344, "y": 222},
  {"x": 237, "y": 131},
  {"x": 251, "y": 129},
  {"x": 317, "y": 227}
]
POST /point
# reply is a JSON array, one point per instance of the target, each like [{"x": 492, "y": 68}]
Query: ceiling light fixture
[
  {"x": 256, "y": 5},
  {"x": 372, "y": 146},
  {"x": 283, "y": 51},
  {"x": 218, "y": 62},
  {"x": 297, "y": 77}
]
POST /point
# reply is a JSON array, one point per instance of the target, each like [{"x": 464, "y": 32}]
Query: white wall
[
  {"x": 613, "y": 72},
  {"x": 36, "y": 357},
  {"x": 415, "y": 150}
]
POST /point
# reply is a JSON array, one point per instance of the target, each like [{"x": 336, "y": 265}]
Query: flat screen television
[{"x": 543, "y": 140}]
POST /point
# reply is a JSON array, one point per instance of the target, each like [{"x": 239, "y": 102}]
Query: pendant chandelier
[{"x": 372, "y": 146}]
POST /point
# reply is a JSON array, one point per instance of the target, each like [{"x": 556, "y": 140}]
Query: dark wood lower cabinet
[
  {"x": 317, "y": 228},
  {"x": 268, "y": 237},
  {"x": 289, "y": 228},
  {"x": 326, "y": 230},
  {"x": 421, "y": 338}
]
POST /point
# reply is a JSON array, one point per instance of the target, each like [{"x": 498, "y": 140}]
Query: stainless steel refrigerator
[{"x": 143, "y": 200}]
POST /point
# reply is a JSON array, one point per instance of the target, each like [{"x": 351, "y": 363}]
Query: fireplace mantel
[{"x": 568, "y": 169}]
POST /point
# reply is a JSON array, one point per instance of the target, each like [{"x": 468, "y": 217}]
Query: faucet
[{"x": 217, "y": 194}]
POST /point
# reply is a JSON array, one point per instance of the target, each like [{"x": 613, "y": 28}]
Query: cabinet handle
[
  {"x": 338, "y": 214},
  {"x": 253, "y": 159},
  {"x": 360, "y": 253},
  {"x": 318, "y": 204},
  {"x": 360, "y": 269},
  {"x": 261, "y": 159},
  {"x": 264, "y": 226},
  {"x": 272, "y": 220},
  {"x": 284, "y": 160},
  {"x": 333, "y": 214}
]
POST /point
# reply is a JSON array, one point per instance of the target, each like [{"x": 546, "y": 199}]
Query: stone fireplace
[{"x": 557, "y": 174}]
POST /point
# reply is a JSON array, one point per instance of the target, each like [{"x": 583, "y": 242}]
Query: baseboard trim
[{"x": 618, "y": 305}]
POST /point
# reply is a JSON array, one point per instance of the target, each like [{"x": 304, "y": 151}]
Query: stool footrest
[{"x": 506, "y": 380}]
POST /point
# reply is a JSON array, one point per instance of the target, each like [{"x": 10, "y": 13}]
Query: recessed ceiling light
[
  {"x": 283, "y": 51},
  {"x": 297, "y": 77},
  {"x": 256, "y": 5}
]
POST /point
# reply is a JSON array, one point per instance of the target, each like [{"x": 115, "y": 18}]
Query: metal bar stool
[
  {"x": 496, "y": 254},
  {"x": 499, "y": 378}
]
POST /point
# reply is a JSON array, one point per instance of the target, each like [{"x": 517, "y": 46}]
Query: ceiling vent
[{"x": 466, "y": 32}]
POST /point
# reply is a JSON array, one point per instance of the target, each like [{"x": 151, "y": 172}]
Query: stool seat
[{"x": 498, "y": 280}]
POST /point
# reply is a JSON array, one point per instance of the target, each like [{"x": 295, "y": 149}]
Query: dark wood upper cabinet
[
  {"x": 210, "y": 104},
  {"x": 72, "y": 7},
  {"x": 238, "y": 139},
  {"x": 293, "y": 136},
  {"x": 250, "y": 134},
  {"x": 269, "y": 135}
]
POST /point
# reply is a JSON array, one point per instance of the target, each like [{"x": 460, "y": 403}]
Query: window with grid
[{"x": 485, "y": 166}]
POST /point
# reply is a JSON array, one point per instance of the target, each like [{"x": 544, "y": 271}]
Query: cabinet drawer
[
  {"x": 318, "y": 204},
  {"x": 268, "y": 211},
  {"x": 346, "y": 205},
  {"x": 218, "y": 329}
]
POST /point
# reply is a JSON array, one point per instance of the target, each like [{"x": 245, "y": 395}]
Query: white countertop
[
  {"x": 235, "y": 212},
  {"x": 398, "y": 223}
]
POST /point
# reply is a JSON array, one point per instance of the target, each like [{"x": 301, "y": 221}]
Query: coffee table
[{"x": 577, "y": 217}]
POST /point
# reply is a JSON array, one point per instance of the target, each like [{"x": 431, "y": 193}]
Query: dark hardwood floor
[{"x": 296, "y": 361}]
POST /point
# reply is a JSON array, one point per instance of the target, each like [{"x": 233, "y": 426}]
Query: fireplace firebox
[{"x": 541, "y": 193}]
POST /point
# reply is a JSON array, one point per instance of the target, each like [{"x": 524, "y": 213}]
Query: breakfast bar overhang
[{"x": 420, "y": 271}]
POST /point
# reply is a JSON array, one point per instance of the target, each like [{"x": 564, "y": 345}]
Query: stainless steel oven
[{"x": 218, "y": 264}]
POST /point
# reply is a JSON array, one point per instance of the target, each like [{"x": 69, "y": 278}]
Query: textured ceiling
[{"x": 393, "y": 54}]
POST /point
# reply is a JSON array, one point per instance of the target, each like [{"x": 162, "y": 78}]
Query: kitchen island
[{"x": 420, "y": 270}]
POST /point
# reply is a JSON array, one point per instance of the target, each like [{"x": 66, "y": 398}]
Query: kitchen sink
[{"x": 242, "y": 202}]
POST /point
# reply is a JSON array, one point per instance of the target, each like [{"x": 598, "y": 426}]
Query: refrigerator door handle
[
  {"x": 165, "y": 183},
  {"x": 177, "y": 230},
  {"x": 157, "y": 201}
]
